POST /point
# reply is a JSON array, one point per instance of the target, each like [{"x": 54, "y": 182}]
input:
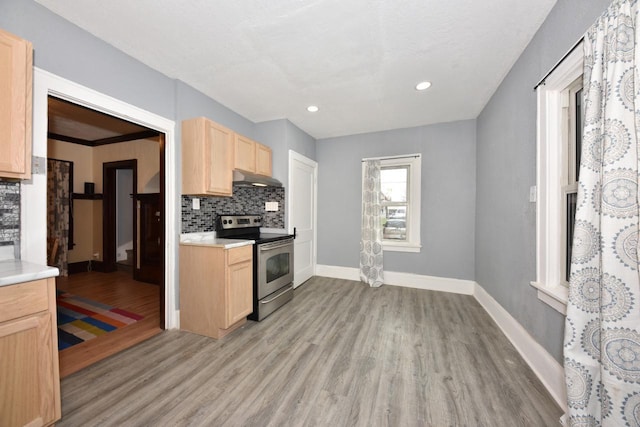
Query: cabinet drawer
[
  {"x": 236, "y": 255},
  {"x": 23, "y": 299}
]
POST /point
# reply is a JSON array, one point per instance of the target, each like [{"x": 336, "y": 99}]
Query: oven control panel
[{"x": 238, "y": 221}]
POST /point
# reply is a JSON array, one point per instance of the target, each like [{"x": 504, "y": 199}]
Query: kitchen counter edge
[
  {"x": 15, "y": 271},
  {"x": 209, "y": 240}
]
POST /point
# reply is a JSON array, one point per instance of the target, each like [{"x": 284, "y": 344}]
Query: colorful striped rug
[{"x": 81, "y": 319}]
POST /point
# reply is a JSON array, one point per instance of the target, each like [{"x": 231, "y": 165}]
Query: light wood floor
[
  {"x": 340, "y": 354},
  {"x": 117, "y": 289}
]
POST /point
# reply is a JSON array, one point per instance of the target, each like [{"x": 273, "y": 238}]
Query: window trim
[
  {"x": 414, "y": 161},
  {"x": 549, "y": 155}
]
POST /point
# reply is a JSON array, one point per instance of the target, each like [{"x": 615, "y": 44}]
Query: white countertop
[
  {"x": 13, "y": 271},
  {"x": 210, "y": 239}
]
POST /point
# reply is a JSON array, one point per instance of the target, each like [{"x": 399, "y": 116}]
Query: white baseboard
[
  {"x": 546, "y": 368},
  {"x": 431, "y": 283},
  {"x": 346, "y": 273},
  {"x": 408, "y": 280},
  {"x": 172, "y": 319}
]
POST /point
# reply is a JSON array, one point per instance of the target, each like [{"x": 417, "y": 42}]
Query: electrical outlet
[
  {"x": 195, "y": 204},
  {"x": 271, "y": 206}
]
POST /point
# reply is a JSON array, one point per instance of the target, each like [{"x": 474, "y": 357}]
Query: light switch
[
  {"x": 195, "y": 203},
  {"x": 533, "y": 194},
  {"x": 271, "y": 206}
]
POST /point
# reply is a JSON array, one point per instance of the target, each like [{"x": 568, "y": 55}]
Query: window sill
[
  {"x": 401, "y": 247},
  {"x": 555, "y": 296}
]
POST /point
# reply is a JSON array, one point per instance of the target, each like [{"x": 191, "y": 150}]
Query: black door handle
[{"x": 294, "y": 232}]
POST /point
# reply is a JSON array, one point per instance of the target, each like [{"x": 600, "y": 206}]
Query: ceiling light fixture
[
  {"x": 312, "y": 108},
  {"x": 423, "y": 85}
]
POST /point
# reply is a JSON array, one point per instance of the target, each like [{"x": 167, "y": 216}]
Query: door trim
[
  {"x": 294, "y": 156},
  {"x": 33, "y": 202}
]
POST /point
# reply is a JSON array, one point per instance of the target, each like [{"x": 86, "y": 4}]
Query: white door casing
[
  {"x": 33, "y": 208},
  {"x": 302, "y": 203}
]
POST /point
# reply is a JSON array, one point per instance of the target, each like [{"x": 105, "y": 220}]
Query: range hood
[{"x": 246, "y": 179}]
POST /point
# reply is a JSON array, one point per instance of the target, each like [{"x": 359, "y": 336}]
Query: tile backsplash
[
  {"x": 250, "y": 200},
  {"x": 245, "y": 200},
  {"x": 9, "y": 212}
]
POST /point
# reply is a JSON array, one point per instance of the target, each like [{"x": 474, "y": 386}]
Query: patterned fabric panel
[{"x": 602, "y": 329}]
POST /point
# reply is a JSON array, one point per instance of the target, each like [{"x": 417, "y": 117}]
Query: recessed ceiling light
[
  {"x": 423, "y": 85},
  {"x": 312, "y": 108}
]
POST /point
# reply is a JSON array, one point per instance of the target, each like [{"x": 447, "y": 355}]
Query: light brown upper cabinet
[
  {"x": 263, "y": 160},
  {"x": 251, "y": 156},
  {"x": 207, "y": 158},
  {"x": 245, "y": 154},
  {"x": 16, "y": 86}
]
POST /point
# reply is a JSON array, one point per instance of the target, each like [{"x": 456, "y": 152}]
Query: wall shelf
[{"x": 83, "y": 196}]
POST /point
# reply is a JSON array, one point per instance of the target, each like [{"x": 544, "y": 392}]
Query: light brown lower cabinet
[
  {"x": 29, "y": 373},
  {"x": 216, "y": 288}
]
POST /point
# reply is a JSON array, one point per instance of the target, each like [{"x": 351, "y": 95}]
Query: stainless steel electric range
[{"x": 272, "y": 261}]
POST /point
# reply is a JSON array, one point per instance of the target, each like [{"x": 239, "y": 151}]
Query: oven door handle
[
  {"x": 288, "y": 288},
  {"x": 275, "y": 245}
]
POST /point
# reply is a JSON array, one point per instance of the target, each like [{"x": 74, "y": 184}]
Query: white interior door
[{"x": 303, "y": 187}]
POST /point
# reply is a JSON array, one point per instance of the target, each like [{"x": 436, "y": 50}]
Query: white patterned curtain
[
  {"x": 602, "y": 329},
  {"x": 371, "y": 237}
]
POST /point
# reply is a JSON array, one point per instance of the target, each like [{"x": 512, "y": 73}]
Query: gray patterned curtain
[
  {"x": 371, "y": 238},
  {"x": 602, "y": 329},
  {"x": 58, "y": 211}
]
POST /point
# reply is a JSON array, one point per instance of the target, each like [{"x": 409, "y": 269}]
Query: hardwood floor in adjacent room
[
  {"x": 339, "y": 354},
  {"x": 119, "y": 290}
]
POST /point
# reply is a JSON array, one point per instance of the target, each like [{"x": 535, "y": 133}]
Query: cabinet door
[
  {"x": 16, "y": 68},
  {"x": 263, "y": 160},
  {"x": 219, "y": 156},
  {"x": 245, "y": 154},
  {"x": 26, "y": 369},
  {"x": 239, "y": 292}
]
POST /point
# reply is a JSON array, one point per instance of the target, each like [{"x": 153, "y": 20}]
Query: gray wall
[
  {"x": 192, "y": 103},
  {"x": 282, "y": 136},
  {"x": 448, "y": 197},
  {"x": 299, "y": 141},
  {"x": 506, "y": 168},
  {"x": 274, "y": 134}
]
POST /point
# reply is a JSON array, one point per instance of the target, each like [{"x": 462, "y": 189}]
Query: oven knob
[{"x": 224, "y": 222}]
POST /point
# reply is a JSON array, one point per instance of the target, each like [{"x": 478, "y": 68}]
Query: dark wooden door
[{"x": 150, "y": 249}]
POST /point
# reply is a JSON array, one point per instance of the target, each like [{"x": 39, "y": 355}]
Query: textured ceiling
[{"x": 358, "y": 60}]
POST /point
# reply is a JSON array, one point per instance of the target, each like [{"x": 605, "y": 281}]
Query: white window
[
  {"x": 572, "y": 143},
  {"x": 394, "y": 186},
  {"x": 559, "y": 140},
  {"x": 400, "y": 186}
]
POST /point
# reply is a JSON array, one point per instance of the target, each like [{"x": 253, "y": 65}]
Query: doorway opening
[
  {"x": 117, "y": 166},
  {"x": 125, "y": 213},
  {"x": 120, "y": 182}
]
